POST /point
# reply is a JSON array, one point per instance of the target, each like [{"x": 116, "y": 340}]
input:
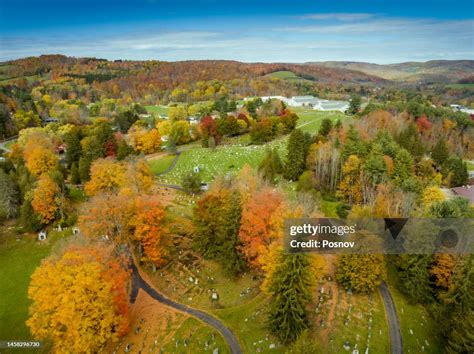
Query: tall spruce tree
[
  {"x": 460, "y": 309},
  {"x": 291, "y": 293},
  {"x": 270, "y": 166},
  {"x": 298, "y": 146},
  {"x": 440, "y": 153}
]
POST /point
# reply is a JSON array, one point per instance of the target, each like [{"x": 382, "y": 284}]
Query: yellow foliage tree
[
  {"x": 431, "y": 195},
  {"x": 106, "y": 175},
  {"x": 350, "y": 188},
  {"x": 79, "y": 302},
  {"x": 46, "y": 197},
  {"x": 145, "y": 141}
]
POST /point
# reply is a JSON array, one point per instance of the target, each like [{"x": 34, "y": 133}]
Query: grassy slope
[
  {"x": 160, "y": 165},
  {"x": 18, "y": 260},
  {"x": 285, "y": 75},
  {"x": 414, "y": 317},
  {"x": 161, "y": 110}
]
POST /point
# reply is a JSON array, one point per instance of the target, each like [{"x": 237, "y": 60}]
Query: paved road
[
  {"x": 170, "y": 167},
  {"x": 139, "y": 283},
  {"x": 4, "y": 142},
  {"x": 396, "y": 343},
  {"x": 172, "y": 186}
]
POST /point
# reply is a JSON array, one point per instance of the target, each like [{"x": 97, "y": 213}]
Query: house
[{"x": 465, "y": 192}]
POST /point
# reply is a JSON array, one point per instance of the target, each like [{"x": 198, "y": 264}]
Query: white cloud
[{"x": 340, "y": 16}]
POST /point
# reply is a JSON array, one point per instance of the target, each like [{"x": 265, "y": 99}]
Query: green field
[
  {"x": 159, "y": 165},
  {"x": 161, "y": 110},
  {"x": 285, "y": 75},
  {"x": 196, "y": 334},
  {"x": 310, "y": 120},
  {"x": 222, "y": 160},
  {"x": 417, "y": 327},
  {"x": 18, "y": 260}
]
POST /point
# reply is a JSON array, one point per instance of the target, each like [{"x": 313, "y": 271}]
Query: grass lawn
[
  {"x": 417, "y": 327},
  {"x": 285, "y": 75},
  {"x": 18, "y": 260},
  {"x": 249, "y": 323},
  {"x": 222, "y": 160},
  {"x": 470, "y": 166},
  {"x": 160, "y": 165},
  {"x": 158, "y": 109},
  {"x": 10, "y": 144},
  {"x": 310, "y": 120},
  {"x": 195, "y": 334}
]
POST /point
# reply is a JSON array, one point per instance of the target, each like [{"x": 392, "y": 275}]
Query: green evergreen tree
[
  {"x": 84, "y": 168},
  {"x": 296, "y": 157},
  {"x": 217, "y": 222},
  {"x": 457, "y": 172},
  {"x": 9, "y": 196},
  {"x": 410, "y": 140},
  {"x": 402, "y": 166},
  {"x": 354, "y": 144},
  {"x": 354, "y": 105},
  {"x": 415, "y": 279},
  {"x": 271, "y": 165},
  {"x": 375, "y": 165},
  {"x": 291, "y": 292},
  {"x": 440, "y": 153},
  {"x": 74, "y": 149},
  {"x": 191, "y": 183},
  {"x": 28, "y": 218},
  {"x": 326, "y": 127},
  {"x": 460, "y": 308},
  {"x": 75, "y": 177}
]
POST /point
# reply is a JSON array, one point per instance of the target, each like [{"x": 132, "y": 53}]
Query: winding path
[
  {"x": 3, "y": 143},
  {"x": 170, "y": 167},
  {"x": 139, "y": 283},
  {"x": 396, "y": 342}
]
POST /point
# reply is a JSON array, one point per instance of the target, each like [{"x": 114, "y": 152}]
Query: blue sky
[{"x": 380, "y": 31}]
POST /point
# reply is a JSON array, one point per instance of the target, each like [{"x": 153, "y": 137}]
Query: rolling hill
[{"x": 445, "y": 71}]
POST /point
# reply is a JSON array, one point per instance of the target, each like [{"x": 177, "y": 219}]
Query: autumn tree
[
  {"x": 258, "y": 224},
  {"x": 105, "y": 175},
  {"x": 291, "y": 292},
  {"x": 360, "y": 272},
  {"x": 350, "y": 187},
  {"x": 145, "y": 141},
  {"x": 39, "y": 159},
  {"x": 83, "y": 291},
  {"x": 107, "y": 215},
  {"x": 442, "y": 269},
  {"x": 150, "y": 230},
  {"x": 47, "y": 199}
]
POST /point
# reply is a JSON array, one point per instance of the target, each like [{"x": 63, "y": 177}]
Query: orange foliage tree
[
  {"x": 257, "y": 228},
  {"x": 83, "y": 291},
  {"x": 46, "y": 199},
  {"x": 150, "y": 230}
]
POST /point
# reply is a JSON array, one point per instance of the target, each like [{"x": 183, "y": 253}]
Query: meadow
[{"x": 20, "y": 254}]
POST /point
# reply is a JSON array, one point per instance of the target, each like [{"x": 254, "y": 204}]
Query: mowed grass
[
  {"x": 220, "y": 161},
  {"x": 285, "y": 75},
  {"x": 310, "y": 120},
  {"x": 417, "y": 327},
  {"x": 161, "y": 164},
  {"x": 192, "y": 337},
  {"x": 158, "y": 109},
  {"x": 18, "y": 260}
]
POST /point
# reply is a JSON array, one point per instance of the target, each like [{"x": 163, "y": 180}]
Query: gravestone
[{"x": 42, "y": 235}]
